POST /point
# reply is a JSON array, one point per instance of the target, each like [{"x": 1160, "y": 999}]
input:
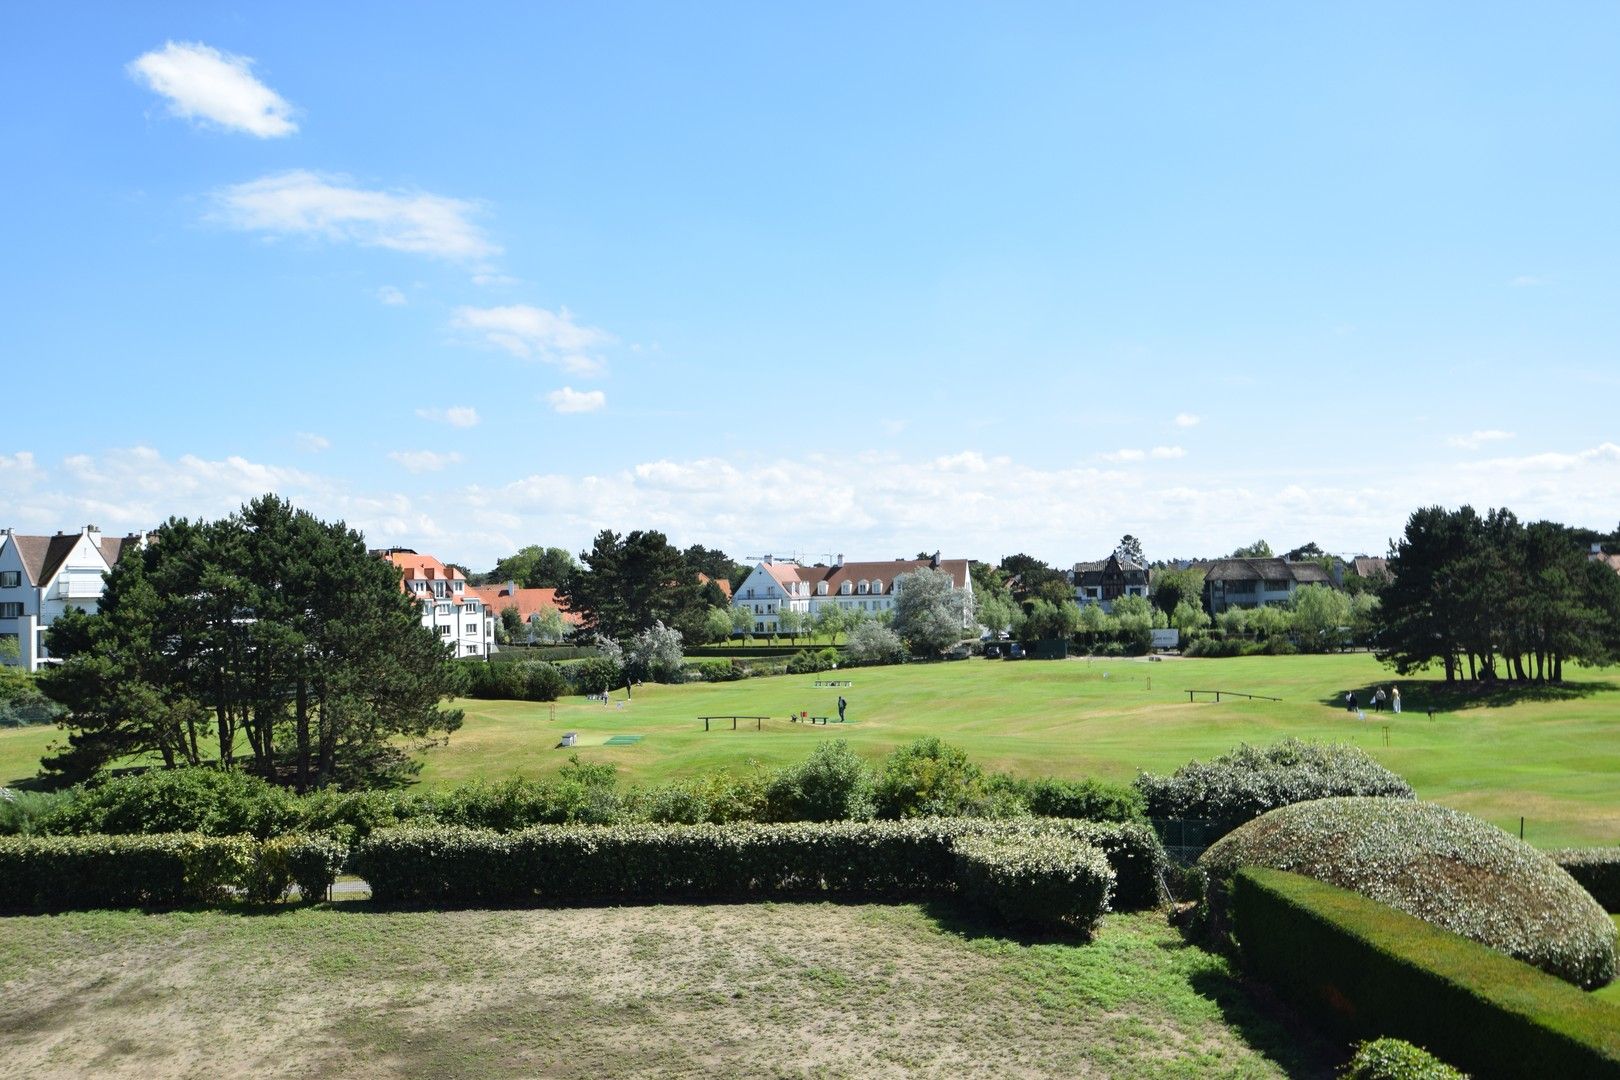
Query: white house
[
  {"x": 781, "y": 585},
  {"x": 449, "y": 607},
  {"x": 42, "y": 576}
]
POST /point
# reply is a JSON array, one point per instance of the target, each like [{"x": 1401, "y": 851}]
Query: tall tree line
[
  {"x": 268, "y": 640},
  {"x": 1490, "y": 598}
]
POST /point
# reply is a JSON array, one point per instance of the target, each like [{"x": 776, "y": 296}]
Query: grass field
[
  {"x": 1552, "y": 757},
  {"x": 816, "y": 990}
]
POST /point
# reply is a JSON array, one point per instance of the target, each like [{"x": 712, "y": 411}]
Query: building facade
[
  {"x": 449, "y": 607},
  {"x": 41, "y": 577},
  {"x": 1250, "y": 583},
  {"x": 776, "y": 586},
  {"x": 1104, "y": 582}
]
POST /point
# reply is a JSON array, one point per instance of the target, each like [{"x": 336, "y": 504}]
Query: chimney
[
  {"x": 840, "y": 561},
  {"x": 767, "y": 560},
  {"x": 934, "y": 562},
  {"x": 511, "y": 588}
]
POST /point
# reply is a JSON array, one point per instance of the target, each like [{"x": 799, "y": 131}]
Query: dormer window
[
  {"x": 821, "y": 588},
  {"x": 843, "y": 590},
  {"x": 863, "y": 588},
  {"x": 877, "y": 586}
]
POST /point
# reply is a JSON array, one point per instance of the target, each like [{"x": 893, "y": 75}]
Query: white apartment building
[
  {"x": 775, "y": 586},
  {"x": 41, "y": 577},
  {"x": 449, "y": 607}
]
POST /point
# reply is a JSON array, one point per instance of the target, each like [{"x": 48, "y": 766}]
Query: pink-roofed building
[
  {"x": 859, "y": 587},
  {"x": 448, "y": 604}
]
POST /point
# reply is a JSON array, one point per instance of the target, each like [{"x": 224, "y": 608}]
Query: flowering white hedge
[
  {"x": 1441, "y": 865},
  {"x": 1052, "y": 882},
  {"x": 1251, "y": 780}
]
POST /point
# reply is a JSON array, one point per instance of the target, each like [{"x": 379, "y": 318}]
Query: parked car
[{"x": 1015, "y": 651}]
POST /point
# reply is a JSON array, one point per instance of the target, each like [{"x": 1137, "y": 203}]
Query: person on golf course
[{"x": 841, "y": 704}]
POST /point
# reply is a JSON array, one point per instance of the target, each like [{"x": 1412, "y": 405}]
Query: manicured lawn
[
  {"x": 681, "y": 991},
  {"x": 1611, "y": 992},
  {"x": 1555, "y": 760}
]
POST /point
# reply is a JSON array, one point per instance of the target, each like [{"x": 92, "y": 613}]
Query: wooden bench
[
  {"x": 827, "y": 683},
  {"x": 758, "y": 721},
  {"x": 816, "y": 719},
  {"x": 1230, "y": 693}
]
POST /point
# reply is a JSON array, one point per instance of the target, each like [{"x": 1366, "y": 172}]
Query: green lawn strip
[
  {"x": 717, "y": 991},
  {"x": 1611, "y": 993},
  {"x": 1553, "y": 759}
]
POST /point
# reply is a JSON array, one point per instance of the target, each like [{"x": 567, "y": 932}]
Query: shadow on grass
[{"x": 1419, "y": 697}]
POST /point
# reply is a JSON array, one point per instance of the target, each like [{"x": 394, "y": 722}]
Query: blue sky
[{"x": 839, "y": 278}]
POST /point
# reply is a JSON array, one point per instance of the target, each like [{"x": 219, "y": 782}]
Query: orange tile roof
[{"x": 529, "y": 602}]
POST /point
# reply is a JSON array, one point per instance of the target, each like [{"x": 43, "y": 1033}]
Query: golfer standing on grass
[{"x": 841, "y": 704}]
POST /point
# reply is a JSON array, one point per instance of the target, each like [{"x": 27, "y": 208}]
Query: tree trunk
[{"x": 302, "y": 779}]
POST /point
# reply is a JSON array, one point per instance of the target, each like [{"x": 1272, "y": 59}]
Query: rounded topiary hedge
[{"x": 1441, "y": 865}]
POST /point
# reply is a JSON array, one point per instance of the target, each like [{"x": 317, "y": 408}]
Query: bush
[
  {"x": 1251, "y": 780},
  {"x": 53, "y": 873},
  {"x": 719, "y": 671},
  {"x": 519, "y": 680},
  {"x": 874, "y": 643},
  {"x": 1598, "y": 871},
  {"x": 1394, "y": 1059},
  {"x": 596, "y": 675},
  {"x": 1368, "y": 969},
  {"x": 214, "y": 802},
  {"x": 833, "y": 784},
  {"x": 928, "y": 778},
  {"x": 807, "y": 662},
  {"x": 1087, "y": 800},
  {"x": 28, "y": 813},
  {"x": 904, "y": 860},
  {"x": 1042, "y": 881},
  {"x": 1437, "y": 864}
]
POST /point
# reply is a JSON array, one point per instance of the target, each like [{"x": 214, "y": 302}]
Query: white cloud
[
  {"x": 569, "y": 400},
  {"x": 533, "y": 333},
  {"x": 495, "y": 280},
  {"x": 1187, "y": 420},
  {"x": 420, "y": 461},
  {"x": 302, "y": 203},
  {"x": 391, "y": 296},
  {"x": 1124, "y": 455},
  {"x": 205, "y": 85},
  {"x": 970, "y": 461},
  {"x": 1476, "y": 439},
  {"x": 462, "y": 416},
  {"x": 311, "y": 443},
  {"x": 1166, "y": 453}
]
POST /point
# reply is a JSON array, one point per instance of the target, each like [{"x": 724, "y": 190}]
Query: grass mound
[{"x": 1443, "y": 866}]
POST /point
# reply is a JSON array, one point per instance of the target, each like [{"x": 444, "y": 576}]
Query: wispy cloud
[
  {"x": 207, "y": 86},
  {"x": 302, "y": 203},
  {"x": 1476, "y": 439},
  {"x": 311, "y": 443},
  {"x": 1187, "y": 420},
  {"x": 462, "y": 416},
  {"x": 569, "y": 400},
  {"x": 391, "y": 296},
  {"x": 1166, "y": 453},
  {"x": 533, "y": 333},
  {"x": 420, "y": 461}
]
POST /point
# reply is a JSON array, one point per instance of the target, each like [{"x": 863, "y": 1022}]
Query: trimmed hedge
[
  {"x": 1597, "y": 870},
  {"x": 1437, "y": 864},
  {"x": 894, "y": 860},
  {"x": 52, "y": 873},
  {"x": 310, "y": 862},
  {"x": 1370, "y": 969},
  {"x": 1241, "y": 785},
  {"x": 1396, "y": 1059},
  {"x": 1048, "y": 882}
]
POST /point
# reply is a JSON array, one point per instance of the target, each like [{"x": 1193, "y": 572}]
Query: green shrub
[
  {"x": 214, "y": 802},
  {"x": 1088, "y": 800},
  {"x": 1251, "y": 780},
  {"x": 872, "y": 860},
  {"x": 719, "y": 671},
  {"x": 1395, "y": 1059},
  {"x": 1044, "y": 881},
  {"x": 833, "y": 784},
  {"x": 1437, "y": 864},
  {"x": 52, "y": 873},
  {"x": 28, "y": 813},
  {"x": 927, "y": 778},
  {"x": 1598, "y": 871},
  {"x": 807, "y": 661},
  {"x": 1368, "y": 969},
  {"x": 518, "y": 680},
  {"x": 596, "y": 675}
]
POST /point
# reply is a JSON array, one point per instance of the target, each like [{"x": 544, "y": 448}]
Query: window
[
  {"x": 10, "y": 611},
  {"x": 843, "y": 590},
  {"x": 1278, "y": 586},
  {"x": 472, "y": 628},
  {"x": 877, "y": 586},
  {"x": 445, "y": 609},
  {"x": 444, "y": 630},
  {"x": 749, "y": 595},
  {"x": 821, "y": 588},
  {"x": 862, "y": 589},
  {"x": 10, "y": 579}
]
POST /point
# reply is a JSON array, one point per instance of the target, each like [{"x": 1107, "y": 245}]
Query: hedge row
[
  {"x": 1372, "y": 970},
  {"x": 1395, "y": 1059},
  {"x": 1048, "y": 882},
  {"x": 1598, "y": 871},
  {"x": 54, "y": 873},
  {"x": 899, "y": 860}
]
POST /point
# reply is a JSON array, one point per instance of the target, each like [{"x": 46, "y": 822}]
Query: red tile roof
[
  {"x": 855, "y": 572},
  {"x": 528, "y": 601}
]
